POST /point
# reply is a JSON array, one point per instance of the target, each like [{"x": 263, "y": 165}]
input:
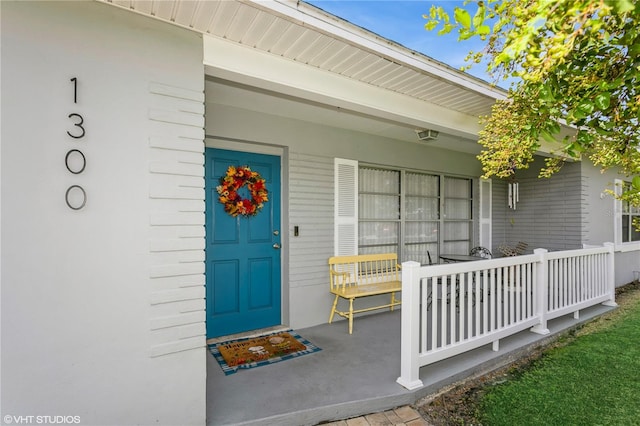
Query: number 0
[
  {"x": 75, "y": 161},
  {"x": 76, "y": 197}
]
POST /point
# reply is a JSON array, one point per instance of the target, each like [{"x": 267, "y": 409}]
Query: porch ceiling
[
  {"x": 245, "y": 97},
  {"x": 307, "y": 35}
]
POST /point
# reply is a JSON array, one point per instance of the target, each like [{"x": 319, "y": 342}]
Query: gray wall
[{"x": 550, "y": 213}]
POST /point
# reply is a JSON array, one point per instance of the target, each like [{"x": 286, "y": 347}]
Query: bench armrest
[{"x": 338, "y": 279}]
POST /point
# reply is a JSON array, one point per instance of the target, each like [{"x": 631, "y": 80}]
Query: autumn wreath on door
[{"x": 236, "y": 178}]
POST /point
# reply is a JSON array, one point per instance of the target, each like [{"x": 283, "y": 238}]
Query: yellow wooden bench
[{"x": 361, "y": 276}]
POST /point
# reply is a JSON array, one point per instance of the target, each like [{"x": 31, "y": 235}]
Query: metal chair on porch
[
  {"x": 445, "y": 293},
  {"x": 481, "y": 251},
  {"x": 484, "y": 253},
  {"x": 429, "y": 257},
  {"x": 518, "y": 250}
]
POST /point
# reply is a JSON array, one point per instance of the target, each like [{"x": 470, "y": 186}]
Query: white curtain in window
[
  {"x": 485, "y": 214},
  {"x": 379, "y": 210},
  {"x": 379, "y": 181},
  {"x": 422, "y": 207},
  {"x": 384, "y": 194},
  {"x": 419, "y": 184},
  {"x": 457, "y": 215}
]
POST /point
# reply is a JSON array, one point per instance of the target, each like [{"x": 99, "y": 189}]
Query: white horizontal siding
[
  {"x": 172, "y": 283},
  {"x": 311, "y": 209},
  {"x": 176, "y": 219}
]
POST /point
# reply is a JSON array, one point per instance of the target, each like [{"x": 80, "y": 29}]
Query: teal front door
[{"x": 243, "y": 288}]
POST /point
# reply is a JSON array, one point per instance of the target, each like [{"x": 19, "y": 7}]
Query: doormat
[{"x": 258, "y": 351}]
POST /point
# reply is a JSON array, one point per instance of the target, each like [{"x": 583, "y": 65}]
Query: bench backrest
[{"x": 363, "y": 269}]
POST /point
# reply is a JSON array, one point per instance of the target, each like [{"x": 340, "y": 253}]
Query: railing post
[
  {"x": 542, "y": 291},
  {"x": 410, "y": 327},
  {"x": 611, "y": 275}
]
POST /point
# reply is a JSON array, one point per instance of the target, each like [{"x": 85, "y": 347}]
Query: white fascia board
[
  {"x": 303, "y": 14},
  {"x": 245, "y": 65}
]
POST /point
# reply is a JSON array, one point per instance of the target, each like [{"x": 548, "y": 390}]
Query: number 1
[{"x": 75, "y": 90}]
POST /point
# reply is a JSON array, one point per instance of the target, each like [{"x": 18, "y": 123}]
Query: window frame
[
  {"x": 619, "y": 220},
  {"x": 402, "y": 221}
]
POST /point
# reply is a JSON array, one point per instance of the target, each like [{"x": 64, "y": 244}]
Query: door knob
[{"x": 276, "y": 246}]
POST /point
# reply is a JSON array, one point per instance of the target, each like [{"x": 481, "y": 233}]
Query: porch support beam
[
  {"x": 541, "y": 293},
  {"x": 410, "y": 330},
  {"x": 611, "y": 275}
]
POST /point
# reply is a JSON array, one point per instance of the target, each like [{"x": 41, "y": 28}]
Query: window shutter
[
  {"x": 485, "y": 213},
  {"x": 346, "y": 207}
]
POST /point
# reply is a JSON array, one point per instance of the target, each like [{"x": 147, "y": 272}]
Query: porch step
[{"x": 249, "y": 334}]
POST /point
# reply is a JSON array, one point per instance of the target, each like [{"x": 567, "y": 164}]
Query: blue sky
[{"x": 401, "y": 21}]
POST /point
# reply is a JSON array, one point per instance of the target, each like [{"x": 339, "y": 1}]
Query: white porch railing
[{"x": 456, "y": 307}]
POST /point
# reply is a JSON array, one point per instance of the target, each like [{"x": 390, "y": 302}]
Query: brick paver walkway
[{"x": 400, "y": 416}]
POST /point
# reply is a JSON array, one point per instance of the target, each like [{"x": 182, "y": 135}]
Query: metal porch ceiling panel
[{"x": 243, "y": 22}]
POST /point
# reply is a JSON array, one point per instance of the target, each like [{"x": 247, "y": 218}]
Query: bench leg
[
  {"x": 333, "y": 309},
  {"x": 393, "y": 300},
  {"x": 350, "y": 316}
]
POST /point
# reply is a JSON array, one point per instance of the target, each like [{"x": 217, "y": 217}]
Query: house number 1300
[{"x": 76, "y": 196}]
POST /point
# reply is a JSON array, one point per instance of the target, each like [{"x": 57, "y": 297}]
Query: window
[
  {"x": 630, "y": 214},
  {"x": 412, "y": 213},
  {"x": 626, "y": 216}
]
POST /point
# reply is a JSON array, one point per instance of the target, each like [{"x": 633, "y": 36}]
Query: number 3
[{"x": 78, "y": 125}]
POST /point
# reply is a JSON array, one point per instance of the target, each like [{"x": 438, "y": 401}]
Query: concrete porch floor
[{"x": 352, "y": 375}]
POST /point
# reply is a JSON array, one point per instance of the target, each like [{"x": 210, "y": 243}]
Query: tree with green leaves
[{"x": 576, "y": 63}]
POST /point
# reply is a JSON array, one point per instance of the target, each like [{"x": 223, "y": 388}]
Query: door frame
[{"x": 282, "y": 152}]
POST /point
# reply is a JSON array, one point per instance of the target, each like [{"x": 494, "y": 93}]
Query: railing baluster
[
  {"x": 563, "y": 283},
  {"x": 499, "y": 294},
  {"x": 443, "y": 314},
  {"x": 556, "y": 277},
  {"x": 512, "y": 282},
  {"x": 453, "y": 307},
  {"x": 492, "y": 295},
  {"x": 483, "y": 299},
  {"x": 434, "y": 310},
  {"x": 530, "y": 291},
  {"x": 424, "y": 312},
  {"x": 518, "y": 293}
]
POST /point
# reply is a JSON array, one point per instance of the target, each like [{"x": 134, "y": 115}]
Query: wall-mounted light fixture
[{"x": 427, "y": 134}]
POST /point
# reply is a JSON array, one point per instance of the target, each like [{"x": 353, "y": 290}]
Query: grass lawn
[{"x": 592, "y": 380}]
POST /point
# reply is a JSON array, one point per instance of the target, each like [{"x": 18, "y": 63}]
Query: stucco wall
[
  {"x": 310, "y": 149},
  {"x": 600, "y": 215},
  {"x": 77, "y": 336}
]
